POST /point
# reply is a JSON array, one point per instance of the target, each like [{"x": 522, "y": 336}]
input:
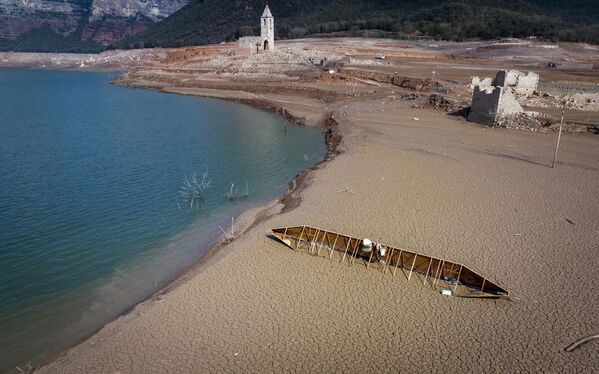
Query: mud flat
[{"x": 421, "y": 180}]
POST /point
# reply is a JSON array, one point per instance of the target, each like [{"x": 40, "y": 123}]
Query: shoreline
[
  {"x": 107, "y": 61},
  {"x": 247, "y": 219}
]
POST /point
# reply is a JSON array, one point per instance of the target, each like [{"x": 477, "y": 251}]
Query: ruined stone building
[
  {"x": 489, "y": 104},
  {"x": 493, "y": 99},
  {"x": 266, "y": 40},
  {"x": 523, "y": 84}
]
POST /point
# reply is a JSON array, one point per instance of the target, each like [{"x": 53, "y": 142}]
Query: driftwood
[
  {"x": 575, "y": 345},
  {"x": 229, "y": 237},
  {"x": 346, "y": 190}
]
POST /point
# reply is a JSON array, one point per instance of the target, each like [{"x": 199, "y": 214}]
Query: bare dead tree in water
[
  {"x": 193, "y": 189},
  {"x": 27, "y": 369},
  {"x": 234, "y": 193}
]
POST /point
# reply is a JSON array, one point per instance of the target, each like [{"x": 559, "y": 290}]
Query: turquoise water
[{"x": 89, "y": 177}]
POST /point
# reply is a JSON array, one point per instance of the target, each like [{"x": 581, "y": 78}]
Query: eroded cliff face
[
  {"x": 103, "y": 21},
  {"x": 153, "y": 9},
  {"x": 20, "y": 16}
]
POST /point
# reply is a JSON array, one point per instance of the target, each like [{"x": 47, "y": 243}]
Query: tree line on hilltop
[{"x": 213, "y": 21}]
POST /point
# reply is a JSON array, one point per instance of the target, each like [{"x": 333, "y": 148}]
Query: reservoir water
[{"x": 90, "y": 219}]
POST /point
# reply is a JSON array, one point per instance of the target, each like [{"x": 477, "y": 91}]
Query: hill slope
[
  {"x": 91, "y": 25},
  {"x": 211, "y": 21}
]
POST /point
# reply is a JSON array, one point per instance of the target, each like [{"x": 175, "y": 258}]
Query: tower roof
[{"x": 267, "y": 13}]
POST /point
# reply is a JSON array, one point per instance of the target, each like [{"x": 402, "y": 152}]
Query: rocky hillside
[{"x": 76, "y": 25}]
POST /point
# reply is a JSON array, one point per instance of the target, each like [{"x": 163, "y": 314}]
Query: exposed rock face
[
  {"x": 19, "y": 16},
  {"x": 153, "y": 9},
  {"x": 109, "y": 29},
  {"x": 103, "y": 21}
]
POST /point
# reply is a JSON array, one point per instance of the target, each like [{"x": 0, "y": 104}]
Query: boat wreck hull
[{"x": 438, "y": 273}]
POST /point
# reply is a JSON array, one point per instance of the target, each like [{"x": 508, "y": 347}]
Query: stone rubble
[{"x": 575, "y": 101}]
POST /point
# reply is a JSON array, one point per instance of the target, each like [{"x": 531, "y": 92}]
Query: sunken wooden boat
[{"x": 450, "y": 278}]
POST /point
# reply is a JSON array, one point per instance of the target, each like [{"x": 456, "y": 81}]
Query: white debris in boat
[
  {"x": 381, "y": 250},
  {"x": 366, "y": 245}
]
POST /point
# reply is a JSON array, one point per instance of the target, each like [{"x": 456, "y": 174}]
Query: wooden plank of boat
[{"x": 438, "y": 273}]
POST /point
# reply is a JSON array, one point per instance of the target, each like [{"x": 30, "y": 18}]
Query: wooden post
[
  {"x": 285, "y": 233},
  {"x": 319, "y": 244},
  {"x": 412, "y": 268},
  {"x": 333, "y": 248},
  {"x": 316, "y": 243},
  {"x": 313, "y": 241},
  {"x": 397, "y": 262},
  {"x": 427, "y": 270},
  {"x": 388, "y": 262},
  {"x": 328, "y": 242},
  {"x": 457, "y": 281},
  {"x": 439, "y": 272},
  {"x": 370, "y": 258},
  {"x": 483, "y": 286},
  {"x": 299, "y": 239},
  {"x": 355, "y": 251},
  {"x": 559, "y": 135},
  {"x": 346, "y": 248}
]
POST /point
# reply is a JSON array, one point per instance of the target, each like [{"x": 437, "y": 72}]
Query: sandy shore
[{"x": 483, "y": 197}]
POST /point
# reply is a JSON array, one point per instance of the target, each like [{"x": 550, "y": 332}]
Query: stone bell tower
[{"x": 267, "y": 30}]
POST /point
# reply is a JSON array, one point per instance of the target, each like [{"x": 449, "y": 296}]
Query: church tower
[{"x": 267, "y": 30}]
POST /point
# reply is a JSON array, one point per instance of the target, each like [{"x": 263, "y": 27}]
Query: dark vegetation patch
[{"x": 213, "y": 21}]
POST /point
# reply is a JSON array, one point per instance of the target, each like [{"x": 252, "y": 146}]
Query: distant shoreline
[{"x": 108, "y": 61}]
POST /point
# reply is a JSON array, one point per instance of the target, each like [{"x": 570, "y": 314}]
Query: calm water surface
[{"x": 89, "y": 177}]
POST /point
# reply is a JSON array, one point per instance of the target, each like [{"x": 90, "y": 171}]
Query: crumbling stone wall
[
  {"x": 524, "y": 84},
  {"x": 508, "y": 104},
  {"x": 247, "y": 44},
  {"x": 481, "y": 83},
  {"x": 485, "y": 103},
  {"x": 492, "y": 103}
]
